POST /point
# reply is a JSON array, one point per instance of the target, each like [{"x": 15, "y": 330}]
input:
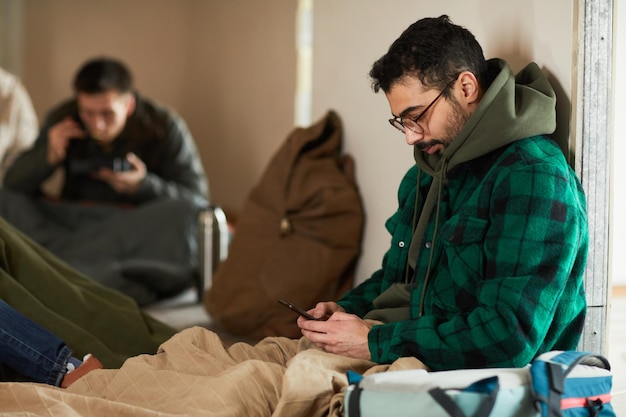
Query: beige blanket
[{"x": 194, "y": 375}]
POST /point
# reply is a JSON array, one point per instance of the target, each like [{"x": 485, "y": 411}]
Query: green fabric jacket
[{"x": 502, "y": 246}]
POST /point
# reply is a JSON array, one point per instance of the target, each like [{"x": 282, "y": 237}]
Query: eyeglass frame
[{"x": 398, "y": 122}]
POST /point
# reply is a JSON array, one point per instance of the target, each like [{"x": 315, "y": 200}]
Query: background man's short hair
[{"x": 100, "y": 75}]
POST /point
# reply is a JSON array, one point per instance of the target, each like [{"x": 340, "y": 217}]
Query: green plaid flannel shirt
[{"x": 509, "y": 255}]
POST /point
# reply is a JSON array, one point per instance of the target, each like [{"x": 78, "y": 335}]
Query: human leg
[
  {"x": 30, "y": 349},
  {"x": 215, "y": 356},
  {"x": 194, "y": 374}
]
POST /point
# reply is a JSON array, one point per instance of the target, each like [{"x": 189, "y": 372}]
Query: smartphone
[
  {"x": 297, "y": 309},
  {"x": 83, "y": 166}
]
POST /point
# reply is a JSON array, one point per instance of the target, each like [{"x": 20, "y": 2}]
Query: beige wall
[
  {"x": 351, "y": 34},
  {"x": 228, "y": 67}
]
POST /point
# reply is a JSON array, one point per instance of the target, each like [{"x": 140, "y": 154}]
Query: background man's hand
[
  {"x": 59, "y": 137},
  {"x": 126, "y": 182}
]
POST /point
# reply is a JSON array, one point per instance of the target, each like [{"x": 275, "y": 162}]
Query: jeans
[{"x": 31, "y": 350}]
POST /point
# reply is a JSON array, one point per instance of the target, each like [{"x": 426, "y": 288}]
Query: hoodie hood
[{"x": 512, "y": 108}]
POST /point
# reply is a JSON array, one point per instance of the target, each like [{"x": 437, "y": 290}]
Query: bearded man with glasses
[{"x": 490, "y": 239}]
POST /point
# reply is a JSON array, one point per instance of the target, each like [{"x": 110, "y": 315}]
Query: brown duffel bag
[{"x": 298, "y": 236}]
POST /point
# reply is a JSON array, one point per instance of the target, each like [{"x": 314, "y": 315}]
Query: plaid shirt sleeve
[{"x": 508, "y": 267}]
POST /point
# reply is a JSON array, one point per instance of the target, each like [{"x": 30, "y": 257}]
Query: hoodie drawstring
[
  {"x": 408, "y": 268},
  {"x": 444, "y": 166}
]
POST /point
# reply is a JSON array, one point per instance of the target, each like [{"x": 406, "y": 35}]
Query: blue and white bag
[{"x": 558, "y": 383}]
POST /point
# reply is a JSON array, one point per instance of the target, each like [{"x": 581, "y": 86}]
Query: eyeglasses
[{"x": 403, "y": 123}]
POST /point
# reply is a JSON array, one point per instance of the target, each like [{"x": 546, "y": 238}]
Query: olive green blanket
[{"x": 89, "y": 317}]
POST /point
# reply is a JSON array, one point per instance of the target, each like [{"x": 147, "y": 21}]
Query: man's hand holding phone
[
  {"x": 124, "y": 182},
  {"x": 299, "y": 310},
  {"x": 59, "y": 137},
  {"x": 340, "y": 333}
]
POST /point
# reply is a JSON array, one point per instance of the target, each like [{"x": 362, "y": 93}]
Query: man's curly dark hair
[{"x": 435, "y": 51}]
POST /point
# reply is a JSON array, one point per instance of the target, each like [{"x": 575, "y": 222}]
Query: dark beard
[
  {"x": 455, "y": 122},
  {"x": 424, "y": 145}
]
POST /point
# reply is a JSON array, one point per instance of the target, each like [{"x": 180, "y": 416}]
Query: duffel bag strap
[
  {"x": 483, "y": 410},
  {"x": 354, "y": 402},
  {"x": 549, "y": 372},
  {"x": 557, "y": 387}
]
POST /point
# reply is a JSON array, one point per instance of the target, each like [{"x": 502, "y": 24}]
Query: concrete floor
[{"x": 184, "y": 311}]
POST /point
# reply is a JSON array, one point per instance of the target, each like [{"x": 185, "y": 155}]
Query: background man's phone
[
  {"x": 78, "y": 164},
  {"x": 297, "y": 309},
  {"x": 85, "y": 166}
]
